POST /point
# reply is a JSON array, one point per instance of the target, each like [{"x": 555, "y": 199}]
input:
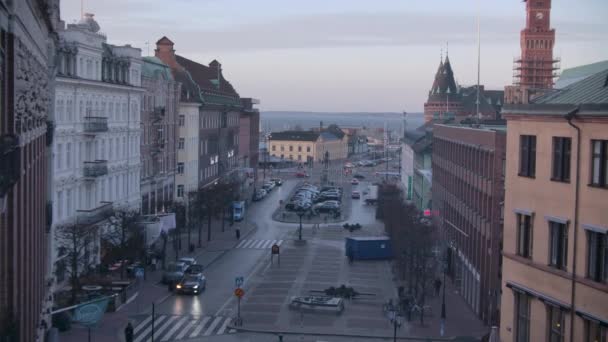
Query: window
[
  {"x": 282, "y": 148},
  {"x": 556, "y": 323},
  {"x": 181, "y": 143},
  {"x": 524, "y": 235},
  {"x": 274, "y": 147},
  {"x": 527, "y": 155},
  {"x": 290, "y": 148},
  {"x": 68, "y": 155},
  {"x": 307, "y": 148},
  {"x": 594, "y": 332},
  {"x": 522, "y": 317},
  {"x": 558, "y": 245},
  {"x": 299, "y": 148},
  {"x": 599, "y": 163},
  {"x": 561, "y": 159},
  {"x": 58, "y": 164},
  {"x": 597, "y": 256},
  {"x": 180, "y": 190},
  {"x": 180, "y": 168},
  {"x": 182, "y": 121}
]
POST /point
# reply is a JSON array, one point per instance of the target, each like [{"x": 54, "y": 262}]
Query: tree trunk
[
  {"x": 189, "y": 235},
  {"x": 164, "y": 251}
]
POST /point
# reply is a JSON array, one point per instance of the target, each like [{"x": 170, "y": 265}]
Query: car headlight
[
  {"x": 195, "y": 287},
  {"x": 178, "y": 286}
]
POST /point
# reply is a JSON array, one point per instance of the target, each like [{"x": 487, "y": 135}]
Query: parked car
[
  {"x": 187, "y": 260},
  {"x": 327, "y": 206},
  {"x": 358, "y": 176},
  {"x": 302, "y": 174},
  {"x": 174, "y": 272},
  {"x": 277, "y": 181},
  {"x": 259, "y": 195},
  {"x": 194, "y": 269},
  {"x": 191, "y": 283},
  {"x": 354, "y": 181},
  {"x": 349, "y": 165},
  {"x": 356, "y": 195}
]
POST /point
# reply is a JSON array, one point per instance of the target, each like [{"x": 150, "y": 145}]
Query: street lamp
[
  {"x": 300, "y": 213},
  {"x": 396, "y": 318}
]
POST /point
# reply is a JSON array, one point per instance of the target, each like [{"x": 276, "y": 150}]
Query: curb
[{"x": 378, "y": 337}]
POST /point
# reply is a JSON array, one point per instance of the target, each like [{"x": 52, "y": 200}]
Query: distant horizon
[{"x": 338, "y": 112}]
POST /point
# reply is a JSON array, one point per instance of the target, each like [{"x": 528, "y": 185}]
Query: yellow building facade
[
  {"x": 555, "y": 244},
  {"x": 304, "y": 146}
]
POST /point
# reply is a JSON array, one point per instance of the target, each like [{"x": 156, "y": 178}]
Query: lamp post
[
  {"x": 300, "y": 213},
  {"x": 396, "y": 318}
]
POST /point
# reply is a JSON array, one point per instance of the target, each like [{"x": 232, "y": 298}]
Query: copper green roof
[{"x": 155, "y": 68}]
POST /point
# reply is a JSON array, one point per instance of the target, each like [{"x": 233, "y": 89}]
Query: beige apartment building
[
  {"x": 306, "y": 146},
  {"x": 555, "y": 247}
]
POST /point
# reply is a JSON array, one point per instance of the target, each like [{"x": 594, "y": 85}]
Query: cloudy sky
[{"x": 346, "y": 55}]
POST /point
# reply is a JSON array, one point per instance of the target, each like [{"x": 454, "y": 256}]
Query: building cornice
[{"x": 94, "y": 83}]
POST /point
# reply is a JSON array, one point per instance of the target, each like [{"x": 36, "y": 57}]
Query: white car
[{"x": 187, "y": 260}]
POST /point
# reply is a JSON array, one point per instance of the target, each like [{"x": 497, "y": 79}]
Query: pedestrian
[
  {"x": 350, "y": 259},
  {"x": 437, "y": 286},
  {"x": 238, "y": 234},
  {"x": 129, "y": 333}
]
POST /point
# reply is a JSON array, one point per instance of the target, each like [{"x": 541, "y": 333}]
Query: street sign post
[
  {"x": 239, "y": 293},
  {"x": 238, "y": 281},
  {"x": 275, "y": 249}
]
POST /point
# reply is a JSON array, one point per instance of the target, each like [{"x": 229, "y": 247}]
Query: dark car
[
  {"x": 327, "y": 206},
  {"x": 358, "y": 176},
  {"x": 277, "y": 181},
  {"x": 194, "y": 269},
  {"x": 191, "y": 283},
  {"x": 174, "y": 272}
]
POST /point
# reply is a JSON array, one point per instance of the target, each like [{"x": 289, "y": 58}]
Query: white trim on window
[{"x": 595, "y": 228}]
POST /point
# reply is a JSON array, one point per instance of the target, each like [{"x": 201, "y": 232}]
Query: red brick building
[
  {"x": 249, "y": 133},
  {"x": 28, "y": 34},
  {"x": 448, "y": 101},
  {"x": 534, "y": 72},
  {"x": 468, "y": 192}
]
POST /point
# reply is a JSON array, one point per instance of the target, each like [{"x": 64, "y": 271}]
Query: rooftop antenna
[
  {"x": 148, "y": 48},
  {"x": 478, "y": 57},
  {"x": 82, "y": 8}
]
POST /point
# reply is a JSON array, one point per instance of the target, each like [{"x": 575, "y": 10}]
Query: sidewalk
[{"x": 111, "y": 327}]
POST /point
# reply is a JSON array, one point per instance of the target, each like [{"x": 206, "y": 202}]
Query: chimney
[{"x": 165, "y": 52}]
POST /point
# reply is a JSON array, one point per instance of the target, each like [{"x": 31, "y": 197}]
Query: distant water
[{"x": 281, "y": 121}]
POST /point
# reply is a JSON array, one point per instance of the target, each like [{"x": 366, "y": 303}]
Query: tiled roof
[
  {"x": 295, "y": 136},
  {"x": 579, "y": 73},
  {"x": 444, "y": 84},
  {"x": 591, "y": 90},
  {"x": 329, "y": 136},
  {"x": 207, "y": 80}
]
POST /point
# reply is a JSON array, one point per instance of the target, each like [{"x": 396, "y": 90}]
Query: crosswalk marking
[
  {"x": 185, "y": 330},
  {"x": 149, "y": 329},
  {"x": 142, "y": 324},
  {"x": 164, "y": 327},
  {"x": 200, "y": 327},
  {"x": 216, "y": 321},
  {"x": 178, "y": 327},
  {"x": 174, "y": 329},
  {"x": 224, "y": 326},
  {"x": 258, "y": 244}
]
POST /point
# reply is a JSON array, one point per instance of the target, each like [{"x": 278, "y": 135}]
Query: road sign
[
  {"x": 238, "y": 281},
  {"x": 139, "y": 272},
  {"x": 239, "y": 292},
  {"x": 275, "y": 249}
]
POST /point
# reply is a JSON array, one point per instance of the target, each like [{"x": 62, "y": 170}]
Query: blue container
[{"x": 369, "y": 248}]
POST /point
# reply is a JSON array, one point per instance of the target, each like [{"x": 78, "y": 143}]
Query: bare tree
[
  {"x": 76, "y": 242},
  {"x": 123, "y": 236}
]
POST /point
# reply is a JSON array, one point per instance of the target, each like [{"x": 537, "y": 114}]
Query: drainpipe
[{"x": 571, "y": 115}]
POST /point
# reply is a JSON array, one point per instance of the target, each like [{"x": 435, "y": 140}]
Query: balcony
[
  {"x": 95, "y": 124},
  {"x": 95, "y": 215},
  {"x": 94, "y": 169},
  {"x": 157, "y": 115}
]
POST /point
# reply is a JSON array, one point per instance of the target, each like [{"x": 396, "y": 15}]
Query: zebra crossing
[
  {"x": 258, "y": 244},
  {"x": 173, "y": 328}
]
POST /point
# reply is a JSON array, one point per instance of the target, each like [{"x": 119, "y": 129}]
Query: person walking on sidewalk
[
  {"x": 129, "y": 333},
  {"x": 437, "y": 286}
]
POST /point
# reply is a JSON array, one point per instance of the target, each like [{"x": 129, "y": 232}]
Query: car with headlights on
[{"x": 191, "y": 283}]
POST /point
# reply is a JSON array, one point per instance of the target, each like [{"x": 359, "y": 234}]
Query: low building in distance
[
  {"x": 308, "y": 146},
  {"x": 555, "y": 246},
  {"x": 468, "y": 193}
]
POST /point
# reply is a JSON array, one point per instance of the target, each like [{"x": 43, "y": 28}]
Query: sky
[{"x": 346, "y": 55}]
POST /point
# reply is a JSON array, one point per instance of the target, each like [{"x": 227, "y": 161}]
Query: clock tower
[{"x": 536, "y": 68}]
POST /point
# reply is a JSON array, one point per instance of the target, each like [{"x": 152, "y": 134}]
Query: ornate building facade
[
  {"x": 28, "y": 38},
  {"x": 159, "y": 135},
  {"x": 96, "y": 155}
]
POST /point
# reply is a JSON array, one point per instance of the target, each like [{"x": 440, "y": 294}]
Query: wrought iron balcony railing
[
  {"x": 95, "y": 124},
  {"x": 97, "y": 168}
]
